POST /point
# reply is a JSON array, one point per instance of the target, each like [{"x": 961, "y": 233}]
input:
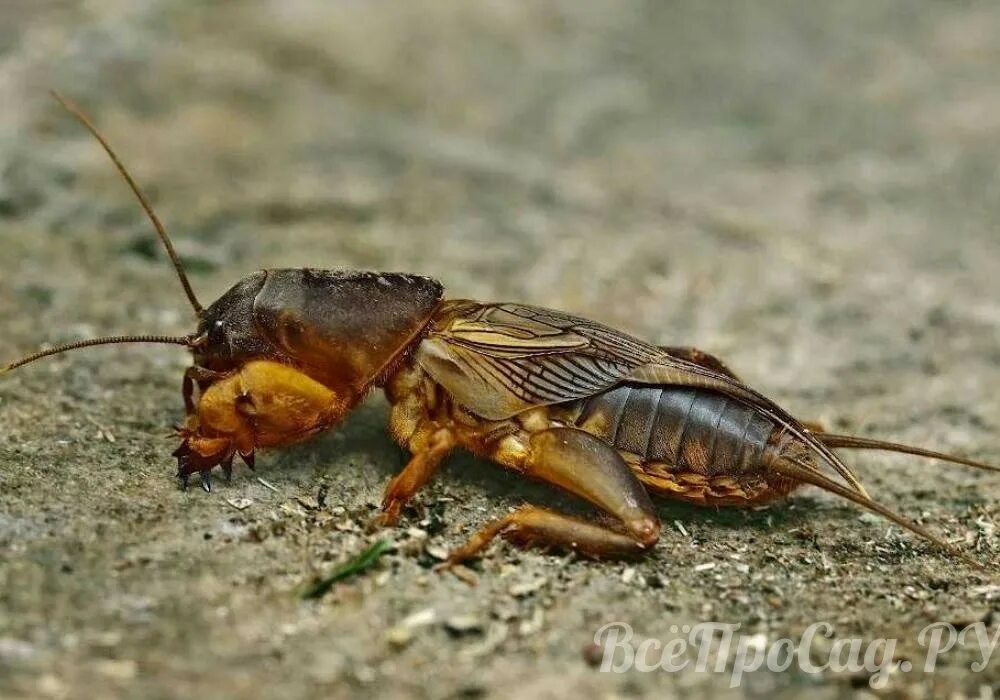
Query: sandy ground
[{"x": 810, "y": 190}]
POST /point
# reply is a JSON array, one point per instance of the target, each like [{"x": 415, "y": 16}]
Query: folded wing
[{"x": 498, "y": 360}]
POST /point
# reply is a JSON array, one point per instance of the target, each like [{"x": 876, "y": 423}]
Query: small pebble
[
  {"x": 437, "y": 551},
  {"x": 402, "y": 634},
  {"x": 308, "y": 502},
  {"x": 416, "y": 533},
  {"x": 421, "y": 618},
  {"x": 459, "y": 625},
  {"x": 526, "y": 588},
  {"x": 399, "y": 636}
]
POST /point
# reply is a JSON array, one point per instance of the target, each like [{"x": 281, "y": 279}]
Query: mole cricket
[{"x": 285, "y": 354}]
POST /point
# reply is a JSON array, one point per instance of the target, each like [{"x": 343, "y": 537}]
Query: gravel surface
[{"x": 808, "y": 190}]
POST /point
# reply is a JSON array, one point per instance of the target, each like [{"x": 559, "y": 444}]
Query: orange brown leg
[
  {"x": 414, "y": 476},
  {"x": 530, "y": 525},
  {"x": 587, "y": 467}
]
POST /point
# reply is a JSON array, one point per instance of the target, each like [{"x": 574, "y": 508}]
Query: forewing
[{"x": 501, "y": 359}]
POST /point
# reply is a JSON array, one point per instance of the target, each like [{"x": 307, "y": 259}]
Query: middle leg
[{"x": 415, "y": 475}]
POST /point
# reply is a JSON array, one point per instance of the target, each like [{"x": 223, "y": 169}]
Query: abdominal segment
[{"x": 693, "y": 444}]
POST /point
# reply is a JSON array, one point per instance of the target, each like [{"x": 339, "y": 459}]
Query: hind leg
[
  {"x": 585, "y": 466},
  {"x": 529, "y": 526}
]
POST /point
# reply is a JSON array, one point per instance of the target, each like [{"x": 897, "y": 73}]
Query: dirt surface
[{"x": 810, "y": 190}]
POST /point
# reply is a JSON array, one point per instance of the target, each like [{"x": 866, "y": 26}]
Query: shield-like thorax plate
[{"x": 344, "y": 327}]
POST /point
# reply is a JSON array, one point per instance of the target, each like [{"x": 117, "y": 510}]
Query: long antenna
[
  {"x": 171, "y": 340},
  {"x": 160, "y": 230}
]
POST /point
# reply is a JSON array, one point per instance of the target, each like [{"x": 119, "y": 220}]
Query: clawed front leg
[
  {"x": 587, "y": 467},
  {"x": 414, "y": 476}
]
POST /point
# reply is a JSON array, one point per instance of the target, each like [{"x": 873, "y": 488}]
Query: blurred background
[{"x": 811, "y": 191}]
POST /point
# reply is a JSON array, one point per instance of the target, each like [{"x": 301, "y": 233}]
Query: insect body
[{"x": 285, "y": 354}]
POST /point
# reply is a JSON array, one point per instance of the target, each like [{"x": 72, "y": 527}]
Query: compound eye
[{"x": 217, "y": 335}]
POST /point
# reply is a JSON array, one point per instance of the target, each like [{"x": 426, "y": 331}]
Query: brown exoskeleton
[{"x": 285, "y": 354}]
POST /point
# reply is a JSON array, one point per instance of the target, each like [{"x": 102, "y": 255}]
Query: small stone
[
  {"x": 421, "y": 618},
  {"x": 415, "y": 533},
  {"x": 402, "y": 634},
  {"x": 308, "y": 502},
  {"x": 628, "y": 575},
  {"x": 526, "y": 588},
  {"x": 705, "y": 567},
  {"x": 437, "y": 551},
  {"x": 399, "y": 636},
  {"x": 459, "y": 625}
]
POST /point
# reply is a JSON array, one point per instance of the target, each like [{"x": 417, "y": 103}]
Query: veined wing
[{"x": 499, "y": 360}]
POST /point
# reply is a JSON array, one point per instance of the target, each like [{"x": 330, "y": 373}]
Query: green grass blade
[{"x": 352, "y": 567}]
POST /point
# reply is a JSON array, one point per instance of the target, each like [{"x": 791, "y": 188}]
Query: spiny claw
[
  {"x": 249, "y": 460},
  {"x": 190, "y": 461}
]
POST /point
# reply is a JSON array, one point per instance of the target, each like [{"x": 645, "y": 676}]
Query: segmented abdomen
[{"x": 688, "y": 430}]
